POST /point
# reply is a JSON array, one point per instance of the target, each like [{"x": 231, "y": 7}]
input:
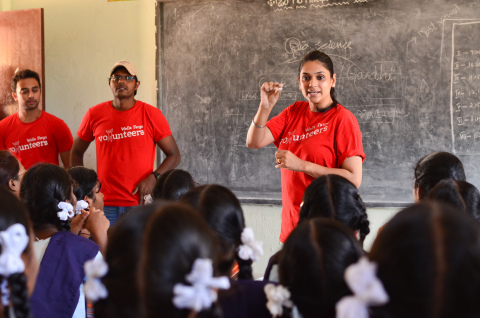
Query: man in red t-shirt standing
[
  {"x": 31, "y": 134},
  {"x": 126, "y": 132}
]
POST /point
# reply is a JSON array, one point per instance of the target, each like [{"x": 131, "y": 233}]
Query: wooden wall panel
[{"x": 21, "y": 47}]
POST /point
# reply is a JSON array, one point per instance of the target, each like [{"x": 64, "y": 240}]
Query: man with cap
[
  {"x": 33, "y": 135},
  {"x": 126, "y": 132}
]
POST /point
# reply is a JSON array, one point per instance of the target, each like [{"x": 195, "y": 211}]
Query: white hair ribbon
[
  {"x": 367, "y": 290},
  {"x": 13, "y": 240},
  {"x": 203, "y": 292},
  {"x": 93, "y": 287},
  {"x": 250, "y": 249},
  {"x": 67, "y": 211},
  {"x": 81, "y": 205},
  {"x": 277, "y": 296}
]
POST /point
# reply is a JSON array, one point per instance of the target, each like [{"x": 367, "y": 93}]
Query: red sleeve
[
  {"x": 348, "y": 142},
  {"x": 63, "y": 136},
  {"x": 2, "y": 135},
  {"x": 159, "y": 123},
  {"x": 277, "y": 124},
  {"x": 85, "y": 131}
]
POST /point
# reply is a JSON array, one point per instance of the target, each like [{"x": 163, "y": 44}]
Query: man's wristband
[{"x": 156, "y": 175}]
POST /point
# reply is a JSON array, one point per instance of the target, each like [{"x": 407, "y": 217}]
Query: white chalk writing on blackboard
[
  {"x": 465, "y": 89},
  {"x": 281, "y": 5}
]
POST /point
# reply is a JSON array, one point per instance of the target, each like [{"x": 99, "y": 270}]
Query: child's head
[
  {"x": 175, "y": 237},
  {"x": 335, "y": 197},
  {"x": 312, "y": 263},
  {"x": 461, "y": 194},
  {"x": 433, "y": 168},
  {"x": 123, "y": 259},
  {"x": 43, "y": 187},
  {"x": 11, "y": 171},
  {"x": 173, "y": 184},
  {"x": 223, "y": 213},
  {"x": 12, "y": 212},
  {"x": 428, "y": 259},
  {"x": 86, "y": 186}
]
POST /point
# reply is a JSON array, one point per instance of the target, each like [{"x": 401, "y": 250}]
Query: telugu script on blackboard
[{"x": 280, "y": 5}]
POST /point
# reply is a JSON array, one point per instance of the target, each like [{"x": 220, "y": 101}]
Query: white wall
[
  {"x": 265, "y": 221},
  {"x": 83, "y": 39}
]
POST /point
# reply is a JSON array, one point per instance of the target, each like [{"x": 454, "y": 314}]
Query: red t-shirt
[
  {"x": 38, "y": 141},
  {"x": 126, "y": 145},
  {"x": 326, "y": 139}
]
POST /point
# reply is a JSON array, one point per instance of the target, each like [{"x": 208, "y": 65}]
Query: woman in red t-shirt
[{"x": 314, "y": 137}]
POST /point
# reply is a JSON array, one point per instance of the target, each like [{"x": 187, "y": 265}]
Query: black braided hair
[
  {"x": 223, "y": 213},
  {"x": 12, "y": 211},
  {"x": 43, "y": 187},
  {"x": 335, "y": 197},
  {"x": 19, "y": 295}
]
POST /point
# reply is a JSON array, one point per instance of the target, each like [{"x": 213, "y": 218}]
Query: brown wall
[{"x": 22, "y": 46}]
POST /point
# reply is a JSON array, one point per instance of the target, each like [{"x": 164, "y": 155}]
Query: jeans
[{"x": 113, "y": 212}]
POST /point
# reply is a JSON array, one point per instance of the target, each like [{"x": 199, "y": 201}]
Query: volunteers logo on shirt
[
  {"x": 309, "y": 132},
  {"x": 35, "y": 142},
  {"x": 127, "y": 132}
]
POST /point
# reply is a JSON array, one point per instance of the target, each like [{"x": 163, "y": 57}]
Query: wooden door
[{"x": 21, "y": 47}]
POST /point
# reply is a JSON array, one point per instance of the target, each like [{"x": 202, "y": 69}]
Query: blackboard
[{"x": 408, "y": 69}]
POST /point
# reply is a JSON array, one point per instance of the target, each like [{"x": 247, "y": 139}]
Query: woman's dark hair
[
  {"x": 173, "y": 184},
  {"x": 9, "y": 167},
  {"x": 461, "y": 194},
  {"x": 335, "y": 197},
  {"x": 223, "y": 213},
  {"x": 326, "y": 61},
  {"x": 123, "y": 259},
  {"x": 312, "y": 264},
  {"x": 43, "y": 187},
  {"x": 84, "y": 182},
  {"x": 435, "y": 167},
  {"x": 13, "y": 211},
  {"x": 428, "y": 259},
  {"x": 175, "y": 237}
]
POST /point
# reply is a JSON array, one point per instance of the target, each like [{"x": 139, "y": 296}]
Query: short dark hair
[
  {"x": 174, "y": 238},
  {"x": 173, "y": 184},
  {"x": 23, "y": 75},
  {"x": 223, "y": 213},
  {"x": 123, "y": 258},
  {"x": 428, "y": 259},
  {"x": 335, "y": 197},
  {"x": 460, "y": 194},
  {"x": 435, "y": 167},
  {"x": 9, "y": 167},
  {"x": 84, "y": 181},
  {"x": 43, "y": 187},
  {"x": 312, "y": 264}
]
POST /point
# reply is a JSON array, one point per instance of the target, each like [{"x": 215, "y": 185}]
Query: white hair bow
[
  {"x": 367, "y": 290},
  {"x": 13, "y": 240},
  {"x": 202, "y": 293},
  {"x": 67, "y": 211},
  {"x": 250, "y": 249},
  {"x": 278, "y": 296},
  {"x": 93, "y": 287},
  {"x": 81, "y": 205}
]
